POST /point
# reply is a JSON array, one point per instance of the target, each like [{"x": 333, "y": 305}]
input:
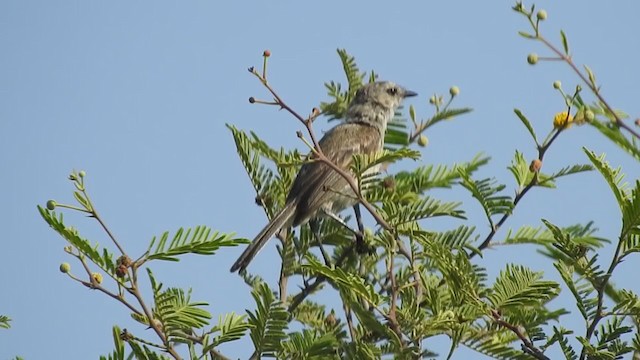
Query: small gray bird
[{"x": 317, "y": 187}]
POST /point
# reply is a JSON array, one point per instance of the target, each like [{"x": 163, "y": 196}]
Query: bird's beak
[{"x": 409, "y": 93}]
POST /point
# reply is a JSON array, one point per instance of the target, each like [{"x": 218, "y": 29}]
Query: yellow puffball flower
[
  {"x": 562, "y": 120},
  {"x": 97, "y": 277}
]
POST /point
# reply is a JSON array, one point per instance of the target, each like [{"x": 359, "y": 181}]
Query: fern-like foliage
[
  {"x": 486, "y": 192},
  {"x": 613, "y": 132},
  {"x": 175, "y": 311},
  {"x": 119, "y": 352},
  {"x": 199, "y": 240},
  {"x": 230, "y": 327},
  {"x": 628, "y": 200},
  {"x": 102, "y": 257},
  {"x": 342, "y": 98},
  {"x": 309, "y": 345},
  {"x": 518, "y": 286},
  {"x": 268, "y": 322},
  {"x": 5, "y": 322}
]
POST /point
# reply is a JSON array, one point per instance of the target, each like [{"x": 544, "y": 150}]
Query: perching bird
[{"x": 318, "y": 189}]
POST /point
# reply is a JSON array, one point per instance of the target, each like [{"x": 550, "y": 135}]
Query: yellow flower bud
[{"x": 562, "y": 120}]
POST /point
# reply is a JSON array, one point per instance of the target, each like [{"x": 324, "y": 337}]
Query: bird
[{"x": 318, "y": 189}]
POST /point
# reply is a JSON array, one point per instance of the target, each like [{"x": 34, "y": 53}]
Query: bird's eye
[{"x": 392, "y": 91}]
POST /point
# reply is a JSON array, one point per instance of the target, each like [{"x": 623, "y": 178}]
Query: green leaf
[
  {"x": 309, "y": 345},
  {"x": 347, "y": 282},
  {"x": 446, "y": 114},
  {"x": 568, "y": 170},
  {"x": 520, "y": 170},
  {"x": 560, "y": 335},
  {"x": 103, "y": 258},
  {"x": 527, "y": 124},
  {"x": 565, "y": 42},
  {"x": 5, "y": 322},
  {"x": 175, "y": 311},
  {"x": 268, "y": 322},
  {"x": 363, "y": 162},
  {"x": 592, "y": 77},
  {"x": 485, "y": 191},
  {"x": 518, "y": 286},
  {"x": 199, "y": 240},
  {"x": 341, "y": 99},
  {"x": 418, "y": 209},
  {"x": 118, "y": 353},
  {"x": 526, "y": 35},
  {"x": 613, "y": 133},
  {"x": 231, "y": 327},
  {"x": 396, "y": 135},
  {"x": 628, "y": 201}
]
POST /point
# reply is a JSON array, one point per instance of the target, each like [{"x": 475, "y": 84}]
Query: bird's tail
[{"x": 279, "y": 221}]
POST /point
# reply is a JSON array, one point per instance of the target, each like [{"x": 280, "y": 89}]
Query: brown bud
[
  {"x": 124, "y": 260},
  {"x": 389, "y": 183},
  {"x": 331, "y": 320},
  {"x": 637, "y": 122},
  {"x": 535, "y": 166},
  {"x": 266, "y": 53},
  {"x": 121, "y": 271}
]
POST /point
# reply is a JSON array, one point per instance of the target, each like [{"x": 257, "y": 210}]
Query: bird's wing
[{"x": 317, "y": 182}]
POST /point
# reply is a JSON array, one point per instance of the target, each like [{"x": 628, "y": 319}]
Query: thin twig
[
  {"x": 591, "y": 86},
  {"x": 600, "y": 289},
  {"x": 542, "y": 149},
  {"x": 149, "y": 315},
  {"x": 527, "y": 345}
]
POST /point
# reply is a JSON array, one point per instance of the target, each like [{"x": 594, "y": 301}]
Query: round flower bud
[
  {"x": 121, "y": 271},
  {"x": 65, "y": 268},
  {"x": 68, "y": 249},
  {"x": 541, "y": 15},
  {"x": 433, "y": 100},
  {"x": 589, "y": 115},
  {"x": 389, "y": 182},
  {"x": 532, "y": 59},
  {"x": 423, "y": 140},
  {"x": 51, "y": 204},
  {"x": 557, "y": 84},
  {"x": 252, "y": 100},
  {"x": 535, "y": 166},
  {"x": 82, "y": 173},
  {"x": 97, "y": 277},
  {"x": 124, "y": 260},
  {"x": 331, "y": 320},
  {"x": 637, "y": 122},
  {"x": 454, "y": 91},
  {"x": 266, "y": 53}
]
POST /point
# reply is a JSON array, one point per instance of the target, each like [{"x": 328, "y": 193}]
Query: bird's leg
[
  {"x": 314, "y": 225},
  {"x": 360, "y": 245}
]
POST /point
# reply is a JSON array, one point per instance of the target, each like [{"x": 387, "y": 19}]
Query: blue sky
[{"x": 137, "y": 95}]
